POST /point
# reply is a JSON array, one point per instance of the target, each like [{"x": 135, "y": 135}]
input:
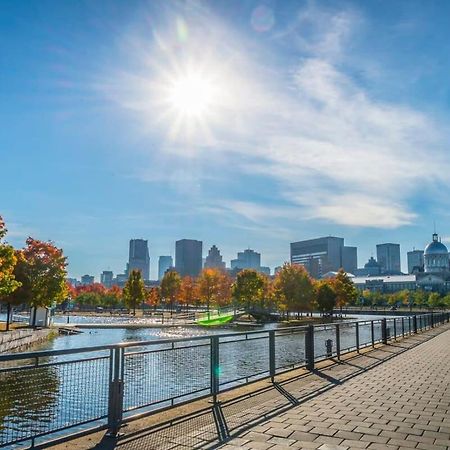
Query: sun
[{"x": 192, "y": 95}]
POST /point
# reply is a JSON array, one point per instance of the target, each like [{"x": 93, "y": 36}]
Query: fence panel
[
  {"x": 166, "y": 374},
  {"x": 289, "y": 349}
]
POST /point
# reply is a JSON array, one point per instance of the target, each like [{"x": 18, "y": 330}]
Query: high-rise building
[
  {"x": 164, "y": 264},
  {"x": 322, "y": 255},
  {"x": 371, "y": 268},
  {"x": 214, "y": 259},
  {"x": 388, "y": 257},
  {"x": 415, "y": 261},
  {"x": 248, "y": 259},
  {"x": 188, "y": 257},
  {"x": 106, "y": 278},
  {"x": 139, "y": 258},
  {"x": 87, "y": 279}
]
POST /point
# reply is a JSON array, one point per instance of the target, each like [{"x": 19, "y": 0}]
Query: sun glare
[{"x": 192, "y": 95}]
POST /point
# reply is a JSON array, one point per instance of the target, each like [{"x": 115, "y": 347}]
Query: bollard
[{"x": 329, "y": 348}]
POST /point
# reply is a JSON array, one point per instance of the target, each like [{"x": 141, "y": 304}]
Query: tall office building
[
  {"x": 164, "y": 264},
  {"x": 248, "y": 259},
  {"x": 139, "y": 258},
  {"x": 388, "y": 257},
  {"x": 214, "y": 259},
  {"x": 322, "y": 255},
  {"x": 188, "y": 257},
  {"x": 106, "y": 278},
  {"x": 415, "y": 261},
  {"x": 87, "y": 280}
]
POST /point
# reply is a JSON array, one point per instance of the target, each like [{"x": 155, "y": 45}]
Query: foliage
[
  {"x": 213, "y": 287},
  {"x": 346, "y": 292},
  {"x": 325, "y": 296},
  {"x": 294, "y": 288},
  {"x": 8, "y": 260},
  {"x": 188, "y": 291},
  {"x": 435, "y": 300},
  {"x": 153, "y": 296},
  {"x": 250, "y": 288},
  {"x": 41, "y": 270},
  {"x": 134, "y": 291},
  {"x": 170, "y": 286}
]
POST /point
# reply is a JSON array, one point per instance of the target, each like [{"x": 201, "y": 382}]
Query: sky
[{"x": 240, "y": 123}]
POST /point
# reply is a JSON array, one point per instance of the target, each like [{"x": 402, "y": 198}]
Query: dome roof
[{"x": 435, "y": 247}]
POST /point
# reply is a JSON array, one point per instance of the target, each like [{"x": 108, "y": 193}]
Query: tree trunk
[{"x": 8, "y": 314}]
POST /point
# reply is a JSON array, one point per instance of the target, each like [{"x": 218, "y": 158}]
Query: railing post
[
  {"x": 115, "y": 401},
  {"x": 372, "y": 333},
  {"x": 383, "y": 331},
  {"x": 272, "y": 354},
  {"x": 338, "y": 341},
  {"x": 357, "y": 336},
  {"x": 403, "y": 326},
  {"x": 309, "y": 347},
  {"x": 432, "y": 320},
  {"x": 395, "y": 328},
  {"x": 415, "y": 324},
  {"x": 214, "y": 367}
]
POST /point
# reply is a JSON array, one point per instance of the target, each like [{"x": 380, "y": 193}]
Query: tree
[
  {"x": 170, "y": 287},
  {"x": 346, "y": 292},
  {"x": 134, "y": 290},
  {"x": 211, "y": 287},
  {"x": 8, "y": 261},
  {"x": 41, "y": 270},
  {"x": 435, "y": 300},
  {"x": 325, "y": 297},
  {"x": 188, "y": 291},
  {"x": 420, "y": 298},
  {"x": 294, "y": 288},
  {"x": 153, "y": 296},
  {"x": 112, "y": 297},
  {"x": 249, "y": 288}
]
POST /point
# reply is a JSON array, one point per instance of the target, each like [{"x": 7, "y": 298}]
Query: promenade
[{"x": 392, "y": 397}]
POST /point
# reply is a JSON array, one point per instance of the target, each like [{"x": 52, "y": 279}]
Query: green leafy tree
[
  {"x": 294, "y": 288},
  {"x": 435, "y": 300},
  {"x": 8, "y": 261},
  {"x": 346, "y": 292},
  {"x": 170, "y": 287},
  {"x": 134, "y": 291},
  {"x": 325, "y": 297},
  {"x": 249, "y": 288},
  {"x": 420, "y": 298}
]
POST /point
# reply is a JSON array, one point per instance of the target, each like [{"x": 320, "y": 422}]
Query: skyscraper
[
  {"x": 388, "y": 257},
  {"x": 139, "y": 258},
  {"x": 415, "y": 261},
  {"x": 164, "y": 264},
  {"x": 322, "y": 255},
  {"x": 188, "y": 257},
  {"x": 248, "y": 259},
  {"x": 214, "y": 259},
  {"x": 106, "y": 278},
  {"x": 87, "y": 280}
]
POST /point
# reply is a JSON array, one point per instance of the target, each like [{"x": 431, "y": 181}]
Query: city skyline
[{"x": 299, "y": 119}]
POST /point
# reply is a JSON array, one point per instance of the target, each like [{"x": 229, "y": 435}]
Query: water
[{"x": 71, "y": 389}]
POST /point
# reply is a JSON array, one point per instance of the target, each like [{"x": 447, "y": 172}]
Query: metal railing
[{"x": 51, "y": 394}]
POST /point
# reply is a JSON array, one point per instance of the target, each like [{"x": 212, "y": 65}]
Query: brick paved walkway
[{"x": 402, "y": 403}]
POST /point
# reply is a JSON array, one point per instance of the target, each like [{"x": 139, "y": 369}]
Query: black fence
[{"x": 50, "y": 395}]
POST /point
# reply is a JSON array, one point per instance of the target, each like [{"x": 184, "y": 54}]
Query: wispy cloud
[{"x": 336, "y": 153}]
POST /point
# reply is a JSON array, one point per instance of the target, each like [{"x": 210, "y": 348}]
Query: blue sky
[{"x": 322, "y": 118}]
